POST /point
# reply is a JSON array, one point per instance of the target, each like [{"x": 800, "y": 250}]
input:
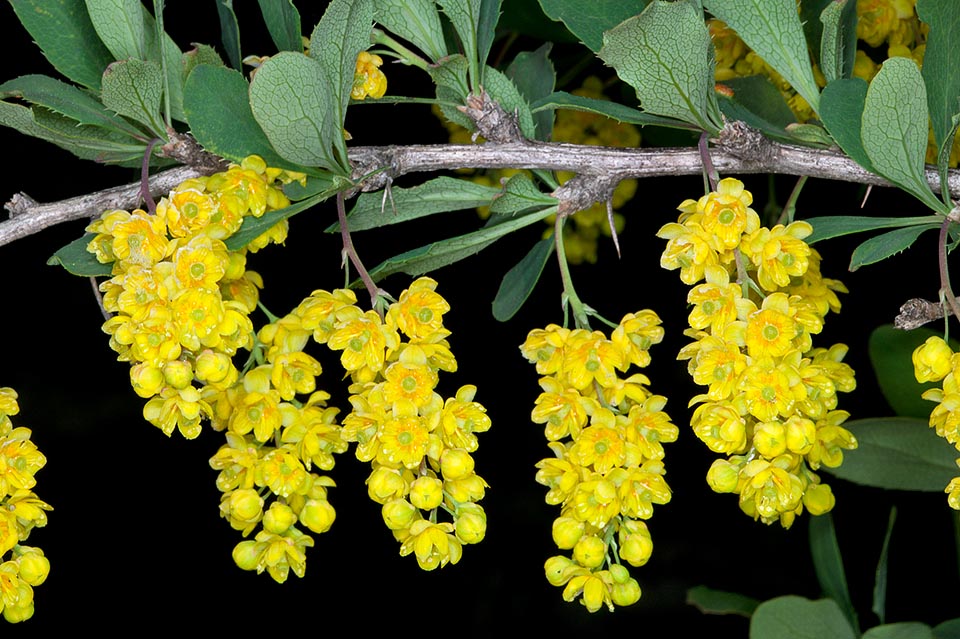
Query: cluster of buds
[{"x": 935, "y": 361}]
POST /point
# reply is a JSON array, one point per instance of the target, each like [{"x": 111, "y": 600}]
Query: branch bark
[{"x": 738, "y": 151}]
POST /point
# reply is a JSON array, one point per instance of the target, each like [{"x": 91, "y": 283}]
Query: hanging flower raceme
[
  {"x": 22, "y": 567},
  {"x": 935, "y": 361},
  {"x": 770, "y": 400},
  {"x": 180, "y": 298},
  {"x": 418, "y": 442},
  {"x": 606, "y": 431}
]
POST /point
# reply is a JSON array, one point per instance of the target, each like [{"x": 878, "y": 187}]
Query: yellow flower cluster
[
  {"x": 935, "y": 361},
  {"x": 581, "y": 234},
  {"x": 607, "y": 433},
  {"x": 180, "y": 298},
  {"x": 418, "y": 443},
  {"x": 368, "y": 79},
  {"x": 20, "y": 512},
  {"x": 771, "y": 398}
]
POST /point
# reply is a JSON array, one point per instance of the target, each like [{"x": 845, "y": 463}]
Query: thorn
[
  {"x": 613, "y": 227},
  {"x": 866, "y": 195},
  {"x": 388, "y": 193}
]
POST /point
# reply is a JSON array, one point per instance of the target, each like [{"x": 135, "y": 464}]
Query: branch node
[
  {"x": 747, "y": 143},
  {"x": 183, "y": 148},
  {"x": 583, "y": 190},
  {"x": 917, "y": 312},
  {"x": 493, "y": 123}
]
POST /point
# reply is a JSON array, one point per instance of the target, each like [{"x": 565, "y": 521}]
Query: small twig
[
  {"x": 351, "y": 252},
  {"x": 945, "y": 287},
  {"x": 99, "y": 297},
  {"x": 145, "y": 195}
]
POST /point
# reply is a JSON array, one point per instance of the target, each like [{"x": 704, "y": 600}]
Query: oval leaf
[
  {"x": 134, "y": 88},
  {"x": 897, "y": 453},
  {"x": 290, "y": 98},
  {"x": 417, "y": 21},
  {"x": 666, "y": 54},
  {"x": 793, "y": 617},
  {"x": 902, "y": 630},
  {"x": 76, "y": 259},
  {"x": 829, "y": 226},
  {"x": 720, "y": 602},
  {"x": 894, "y": 128},
  {"x": 589, "y": 21},
  {"x": 283, "y": 23},
  {"x": 841, "y": 110}
]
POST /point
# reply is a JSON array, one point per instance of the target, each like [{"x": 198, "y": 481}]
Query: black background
[{"x": 135, "y": 538}]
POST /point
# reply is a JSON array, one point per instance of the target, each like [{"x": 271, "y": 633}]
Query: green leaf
[
  {"x": 84, "y": 141},
  {"x": 519, "y": 281},
  {"x": 666, "y": 54},
  {"x": 721, "y": 602},
  {"x": 793, "y": 617},
  {"x": 129, "y": 31},
  {"x": 342, "y": 33},
  {"x": 438, "y": 254},
  {"x": 879, "y": 606},
  {"x": 230, "y": 33},
  {"x": 891, "y": 356},
  {"x": 533, "y": 74},
  {"x": 220, "y": 118},
  {"x": 66, "y": 100},
  {"x": 940, "y": 73},
  {"x": 253, "y": 227},
  {"x": 829, "y": 226},
  {"x": 760, "y": 104},
  {"x": 606, "y": 108},
  {"x": 897, "y": 453},
  {"x": 290, "y": 98},
  {"x": 134, "y": 88},
  {"x": 773, "y": 30},
  {"x": 947, "y": 630},
  {"x": 943, "y": 157},
  {"x": 520, "y": 194},
  {"x": 841, "y": 111},
  {"x": 487, "y": 29},
  {"x": 439, "y": 195},
  {"x": 465, "y": 17},
  {"x": 200, "y": 54},
  {"x": 828, "y": 564},
  {"x": 894, "y": 128},
  {"x": 75, "y": 258},
  {"x": 838, "y": 46},
  {"x": 588, "y": 20},
  {"x": 887, "y": 245},
  {"x": 503, "y": 90},
  {"x": 810, "y": 11},
  {"x": 416, "y": 21},
  {"x": 63, "y": 31},
  {"x": 450, "y": 76},
  {"x": 902, "y": 630},
  {"x": 810, "y": 134},
  {"x": 283, "y": 23}
]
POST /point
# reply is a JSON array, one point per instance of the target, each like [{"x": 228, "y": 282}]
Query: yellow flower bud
[
  {"x": 801, "y": 434},
  {"x": 455, "y": 463},
  {"x": 399, "y": 514},
  {"x": 279, "y": 518},
  {"x": 471, "y": 523},
  {"x": 560, "y": 570},
  {"x": 178, "y": 373},
  {"x": 932, "y": 360},
  {"x": 146, "y": 380},
  {"x": 567, "y": 532},
  {"x": 426, "y": 493},
  {"x": 818, "y": 498},
  {"x": 770, "y": 439},
  {"x": 16, "y": 614},
  {"x": 318, "y": 515},
  {"x": 34, "y": 567},
  {"x": 247, "y": 554},
  {"x": 636, "y": 549},
  {"x": 385, "y": 484},
  {"x": 625, "y": 594},
  {"x": 723, "y": 476},
  {"x": 589, "y": 551}
]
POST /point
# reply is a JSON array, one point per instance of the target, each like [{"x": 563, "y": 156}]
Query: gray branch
[{"x": 738, "y": 151}]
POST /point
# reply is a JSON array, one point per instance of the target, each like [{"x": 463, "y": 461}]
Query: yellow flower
[
  {"x": 771, "y": 389},
  {"x": 600, "y": 447},
  {"x": 727, "y": 215},
  {"x": 201, "y": 262},
  {"x": 461, "y": 418},
  {"x": 294, "y": 373},
  {"x": 410, "y": 378},
  {"x": 544, "y": 347},
  {"x": 720, "y": 426},
  {"x": 180, "y": 409},
  {"x": 363, "y": 342},
  {"x": 404, "y": 440},
  {"x": 778, "y": 253},
  {"x": 714, "y": 302},
  {"x": 689, "y": 248},
  {"x": 281, "y": 471},
  {"x": 590, "y": 357},
  {"x": 563, "y": 410},
  {"x": 932, "y": 360},
  {"x": 368, "y": 79},
  {"x": 635, "y": 334},
  {"x": 770, "y": 331},
  {"x": 186, "y": 211},
  {"x": 594, "y": 591},
  {"x": 432, "y": 544},
  {"x": 141, "y": 239}
]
